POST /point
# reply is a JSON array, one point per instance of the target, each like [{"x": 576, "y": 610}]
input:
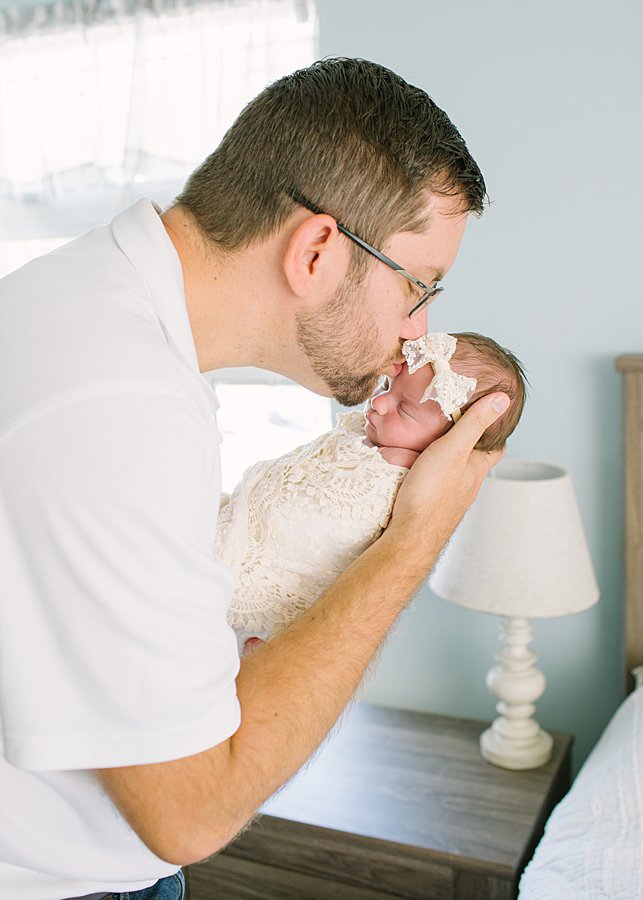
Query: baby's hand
[
  {"x": 251, "y": 644},
  {"x": 399, "y": 456}
]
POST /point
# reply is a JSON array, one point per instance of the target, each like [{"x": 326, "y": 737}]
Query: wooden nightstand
[{"x": 397, "y": 804}]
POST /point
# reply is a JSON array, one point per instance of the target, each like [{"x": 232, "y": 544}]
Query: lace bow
[{"x": 448, "y": 389}]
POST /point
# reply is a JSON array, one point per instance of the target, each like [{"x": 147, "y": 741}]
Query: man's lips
[{"x": 393, "y": 370}]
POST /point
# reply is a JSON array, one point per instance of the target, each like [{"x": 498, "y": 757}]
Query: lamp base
[
  {"x": 510, "y": 753},
  {"x": 515, "y": 740}
]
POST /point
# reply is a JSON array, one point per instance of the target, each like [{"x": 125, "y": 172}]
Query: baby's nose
[{"x": 379, "y": 403}]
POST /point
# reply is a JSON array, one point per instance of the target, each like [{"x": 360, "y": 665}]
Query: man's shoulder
[
  {"x": 75, "y": 317},
  {"x": 84, "y": 268}
]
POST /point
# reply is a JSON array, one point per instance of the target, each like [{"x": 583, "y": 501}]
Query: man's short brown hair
[{"x": 353, "y": 137}]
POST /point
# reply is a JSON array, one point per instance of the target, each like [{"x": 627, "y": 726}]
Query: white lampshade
[{"x": 520, "y": 550}]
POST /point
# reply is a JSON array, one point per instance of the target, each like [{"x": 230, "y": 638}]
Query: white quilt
[{"x": 592, "y": 848}]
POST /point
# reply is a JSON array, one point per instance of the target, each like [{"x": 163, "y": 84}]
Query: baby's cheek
[{"x": 436, "y": 428}]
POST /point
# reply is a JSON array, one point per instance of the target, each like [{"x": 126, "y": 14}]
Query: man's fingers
[
  {"x": 448, "y": 474},
  {"x": 484, "y": 462}
]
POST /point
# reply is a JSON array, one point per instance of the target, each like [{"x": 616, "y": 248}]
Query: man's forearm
[{"x": 293, "y": 689}]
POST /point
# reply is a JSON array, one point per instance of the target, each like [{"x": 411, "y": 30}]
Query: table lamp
[{"x": 520, "y": 552}]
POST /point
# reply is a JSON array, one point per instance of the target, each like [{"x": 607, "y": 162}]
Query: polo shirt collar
[{"x": 142, "y": 237}]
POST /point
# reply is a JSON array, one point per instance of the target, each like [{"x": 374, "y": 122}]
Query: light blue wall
[{"x": 549, "y": 97}]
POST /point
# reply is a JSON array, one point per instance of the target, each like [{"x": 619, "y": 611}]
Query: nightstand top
[{"x": 418, "y": 780}]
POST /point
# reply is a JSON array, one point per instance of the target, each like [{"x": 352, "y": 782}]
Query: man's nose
[{"x": 415, "y": 326}]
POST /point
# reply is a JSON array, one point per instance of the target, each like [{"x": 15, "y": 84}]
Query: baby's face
[{"x": 396, "y": 418}]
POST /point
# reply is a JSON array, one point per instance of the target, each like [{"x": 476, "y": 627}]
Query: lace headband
[{"x": 450, "y": 390}]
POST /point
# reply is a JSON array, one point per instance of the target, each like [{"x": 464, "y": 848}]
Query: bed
[{"x": 592, "y": 848}]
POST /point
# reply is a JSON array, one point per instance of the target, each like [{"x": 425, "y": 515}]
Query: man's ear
[{"x": 315, "y": 259}]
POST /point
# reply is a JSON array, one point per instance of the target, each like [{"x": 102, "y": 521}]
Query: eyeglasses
[{"x": 428, "y": 293}]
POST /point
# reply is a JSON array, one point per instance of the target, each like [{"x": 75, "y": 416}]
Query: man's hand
[{"x": 447, "y": 476}]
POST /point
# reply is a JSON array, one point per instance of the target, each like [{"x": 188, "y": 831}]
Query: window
[
  {"x": 262, "y": 421},
  {"x": 99, "y": 108}
]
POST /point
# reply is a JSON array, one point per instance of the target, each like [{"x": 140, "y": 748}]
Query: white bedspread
[{"x": 592, "y": 848}]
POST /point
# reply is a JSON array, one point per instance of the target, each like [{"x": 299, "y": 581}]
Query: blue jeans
[{"x": 170, "y": 888}]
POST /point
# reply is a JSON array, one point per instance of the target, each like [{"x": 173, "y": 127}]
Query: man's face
[
  {"x": 396, "y": 418},
  {"x": 358, "y": 334}
]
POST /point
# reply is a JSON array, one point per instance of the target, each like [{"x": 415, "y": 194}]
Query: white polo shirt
[{"x": 114, "y": 647}]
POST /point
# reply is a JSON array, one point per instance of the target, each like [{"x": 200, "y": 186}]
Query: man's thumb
[
  {"x": 500, "y": 403},
  {"x": 481, "y": 415}
]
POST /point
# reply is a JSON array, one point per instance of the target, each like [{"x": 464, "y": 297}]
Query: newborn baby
[{"x": 294, "y": 523}]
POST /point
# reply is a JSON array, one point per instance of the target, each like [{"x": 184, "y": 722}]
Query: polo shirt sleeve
[{"x": 114, "y": 645}]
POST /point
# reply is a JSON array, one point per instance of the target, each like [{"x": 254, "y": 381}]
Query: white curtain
[
  {"x": 103, "y": 96},
  {"x": 103, "y": 101}
]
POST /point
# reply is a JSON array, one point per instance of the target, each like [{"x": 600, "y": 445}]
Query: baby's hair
[{"x": 502, "y": 371}]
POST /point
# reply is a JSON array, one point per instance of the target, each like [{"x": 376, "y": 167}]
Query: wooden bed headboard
[{"x": 631, "y": 365}]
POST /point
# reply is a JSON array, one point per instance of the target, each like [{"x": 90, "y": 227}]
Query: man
[{"x": 134, "y": 741}]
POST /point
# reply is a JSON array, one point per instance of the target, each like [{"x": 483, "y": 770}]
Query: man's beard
[{"x": 341, "y": 341}]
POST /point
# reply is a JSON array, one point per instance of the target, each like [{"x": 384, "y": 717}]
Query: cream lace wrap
[{"x": 293, "y": 524}]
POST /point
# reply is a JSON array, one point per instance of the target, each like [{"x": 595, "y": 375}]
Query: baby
[{"x": 294, "y": 523}]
